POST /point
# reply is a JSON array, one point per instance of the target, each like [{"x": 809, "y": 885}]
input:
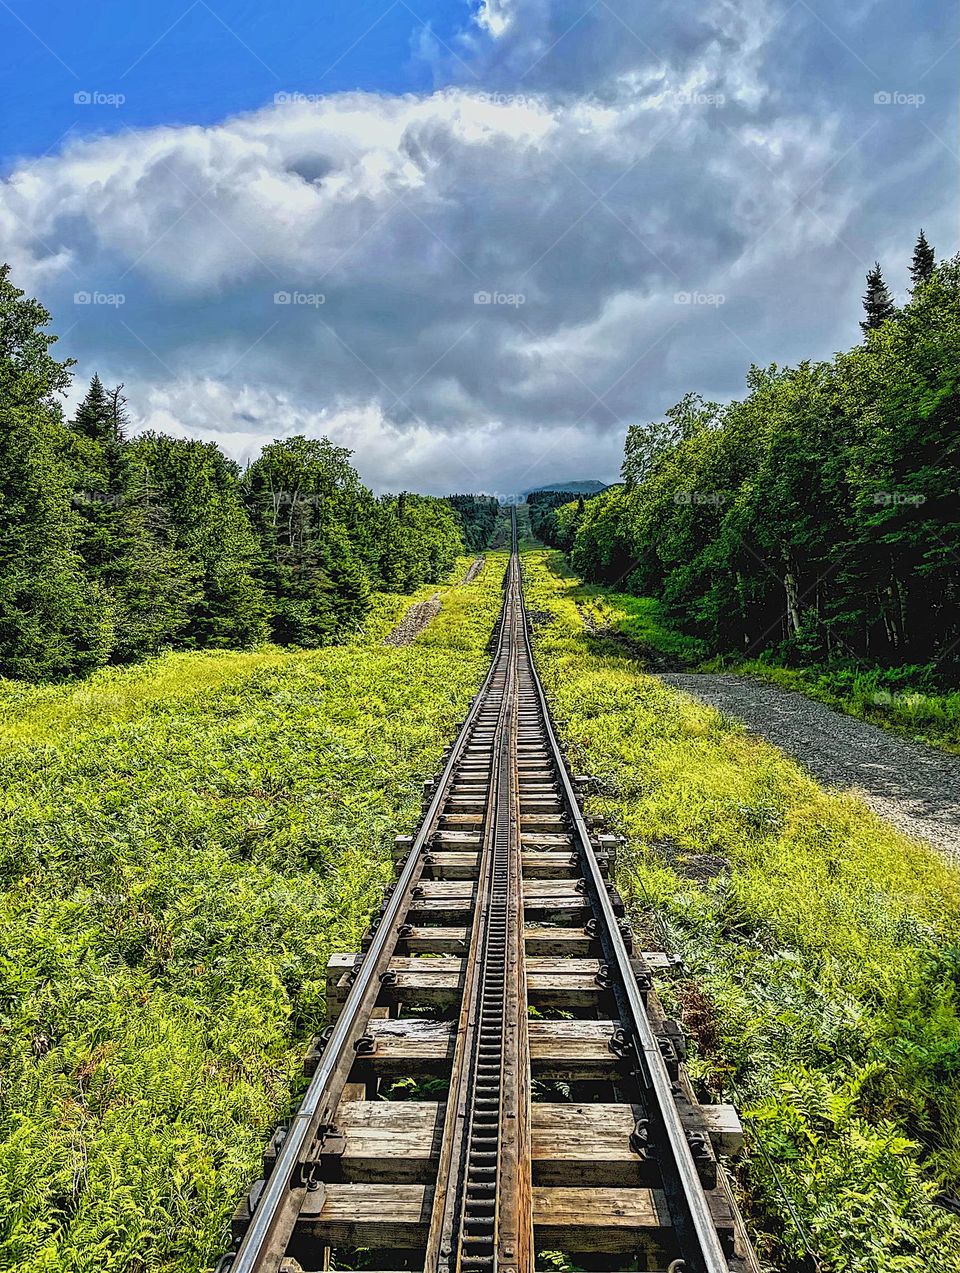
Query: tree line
[
  {"x": 818, "y": 516},
  {"x": 478, "y": 516},
  {"x": 114, "y": 547}
]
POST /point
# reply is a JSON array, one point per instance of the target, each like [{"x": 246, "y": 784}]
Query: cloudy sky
[{"x": 471, "y": 240}]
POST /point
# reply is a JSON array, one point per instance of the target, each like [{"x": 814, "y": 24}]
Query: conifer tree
[
  {"x": 95, "y": 414},
  {"x": 924, "y": 259},
  {"x": 208, "y": 526},
  {"x": 113, "y": 548},
  {"x": 52, "y": 620},
  {"x": 877, "y": 301},
  {"x": 123, "y": 537},
  {"x": 309, "y": 508}
]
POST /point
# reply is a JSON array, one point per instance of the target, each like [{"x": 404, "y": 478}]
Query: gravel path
[
  {"x": 414, "y": 621},
  {"x": 914, "y": 787},
  {"x": 473, "y": 570}
]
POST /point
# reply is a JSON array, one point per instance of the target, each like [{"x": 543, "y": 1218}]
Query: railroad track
[{"x": 499, "y": 982}]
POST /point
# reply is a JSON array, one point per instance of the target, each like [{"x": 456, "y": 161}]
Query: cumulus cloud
[
  {"x": 481, "y": 287},
  {"x": 414, "y": 455}
]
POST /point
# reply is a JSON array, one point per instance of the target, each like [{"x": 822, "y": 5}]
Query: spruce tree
[
  {"x": 313, "y": 516},
  {"x": 53, "y": 620},
  {"x": 95, "y": 414},
  {"x": 145, "y": 586},
  {"x": 924, "y": 259},
  {"x": 352, "y": 589},
  {"x": 98, "y": 480},
  {"x": 877, "y": 302},
  {"x": 209, "y": 528}
]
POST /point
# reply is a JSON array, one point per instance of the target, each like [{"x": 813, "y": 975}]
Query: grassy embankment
[
  {"x": 822, "y": 951},
  {"x": 638, "y": 620},
  {"x": 182, "y": 843},
  {"x": 906, "y": 701}
]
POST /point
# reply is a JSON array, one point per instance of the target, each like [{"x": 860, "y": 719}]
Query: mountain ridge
[{"x": 585, "y": 487}]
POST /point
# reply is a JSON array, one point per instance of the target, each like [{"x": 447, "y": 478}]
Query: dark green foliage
[
  {"x": 310, "y": 512},
  {"x": 125, "y": 541},
  {"x": 99, "y": 415},
  {"x": 351, "y": 586},
  {"x": 555, "y": 519},
  {"x": 327, "y": 540},
  {"x": 817, "y": 517},
  {"x": 112, "y": 548},
  {"x": 476, "y": 516},
  {"x": 52, "y": 616},
  {"x": 877, "y": 302},
  {"x": 644, "y": 446},
  {"x": 416, "y": 541},
  {"x": 199, "y": 488},
  {"x": 924, "y": 260},
  {"x": 543, "y": 506}
]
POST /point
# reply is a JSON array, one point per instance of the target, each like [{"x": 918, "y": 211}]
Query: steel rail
[
  {"x": 479, "y": 1203},
  {"x": 486, "y": 1222},
  {"x": 275, "y": 1213},
  {"x": 263, "y": 1245},
  {"x": 443, "y": 1241},
  {"x": 471, "y": 1194},
  {"x": 699, "y": 1241}
]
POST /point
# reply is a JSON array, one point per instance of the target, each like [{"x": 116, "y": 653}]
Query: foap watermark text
[
  {"x": 699, "y": 298},
  {"x": 113, "y": 299},
  {"x": 311, "y": 300},
  {"x": 899, "y": 99},
  {"x": 512, "y": 300},
  {"x": 93, "y": 97}
]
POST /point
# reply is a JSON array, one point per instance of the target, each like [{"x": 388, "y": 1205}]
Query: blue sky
[
  {"x": 180, "y": 62},
  {"x": 473, "y": 242}
]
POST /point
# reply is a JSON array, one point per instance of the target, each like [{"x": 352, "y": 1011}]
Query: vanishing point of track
[{"x": 499, "y": 979}]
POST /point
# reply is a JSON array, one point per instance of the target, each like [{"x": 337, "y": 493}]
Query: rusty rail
[{"x": 552, "y": 1111}]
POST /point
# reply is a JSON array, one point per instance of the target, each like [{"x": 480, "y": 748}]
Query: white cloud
[
  {"x": 495, "y": 16},
  {"x": 414, "y": 457},
  {"x": 599, "y": 168}
]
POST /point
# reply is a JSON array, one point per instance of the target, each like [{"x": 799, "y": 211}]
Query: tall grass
[
  {"x": 640, "y": 620},
  {"x": 822, "y": 954},
  {"x": 182, "y": 844}
]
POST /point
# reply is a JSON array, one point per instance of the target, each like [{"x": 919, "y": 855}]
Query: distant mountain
[{"x": 572, "y": 488}]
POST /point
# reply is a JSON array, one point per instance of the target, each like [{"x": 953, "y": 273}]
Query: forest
[
  {"x": 115, "y": 547},
  {"x": 817, "y": 518}
]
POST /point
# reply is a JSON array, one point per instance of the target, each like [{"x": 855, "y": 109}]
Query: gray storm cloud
[{"x": 482, "y": 287}]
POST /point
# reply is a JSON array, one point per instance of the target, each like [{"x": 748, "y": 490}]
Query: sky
[{"x": 472, "y": 241}]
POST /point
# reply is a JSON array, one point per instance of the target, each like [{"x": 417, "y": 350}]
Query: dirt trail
[
  {"x": 414, "y": 621},
  {"x": 473, "y": 570},
  {"x": 912, "y": 786}
]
